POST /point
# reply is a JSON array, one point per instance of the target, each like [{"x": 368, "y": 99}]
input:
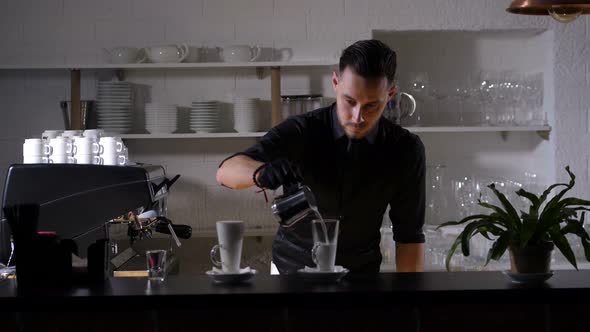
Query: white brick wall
[
  {"x": 59, "y": 31},
  {"x": 232, "y": 8}
]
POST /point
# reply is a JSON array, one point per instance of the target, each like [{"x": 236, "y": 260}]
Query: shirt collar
[{"x": 338, "y": 131}]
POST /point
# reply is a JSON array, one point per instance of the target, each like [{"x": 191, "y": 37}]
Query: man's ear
[{"x": 334, "y": 80}]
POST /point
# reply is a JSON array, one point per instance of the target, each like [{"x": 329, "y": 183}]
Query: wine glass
[{"x": 419, "y": 86}]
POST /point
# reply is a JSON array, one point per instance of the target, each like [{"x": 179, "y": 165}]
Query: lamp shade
[{"x": 543, "y": 7}]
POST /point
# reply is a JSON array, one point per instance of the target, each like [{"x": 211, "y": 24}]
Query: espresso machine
[{"x": 70, "y": 210}]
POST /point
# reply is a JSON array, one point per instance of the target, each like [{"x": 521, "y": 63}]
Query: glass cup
[
  {"x": 156, "y": 264},
  {"x": 325, "y": 242}
]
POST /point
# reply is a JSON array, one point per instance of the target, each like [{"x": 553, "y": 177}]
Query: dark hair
[{"x": 371, "y": 59}]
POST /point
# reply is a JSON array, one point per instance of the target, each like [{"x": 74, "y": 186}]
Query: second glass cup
[{"x": 325, "y": 243}]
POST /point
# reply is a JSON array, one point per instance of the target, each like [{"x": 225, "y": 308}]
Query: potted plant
[{"x": 531, "y": 235}]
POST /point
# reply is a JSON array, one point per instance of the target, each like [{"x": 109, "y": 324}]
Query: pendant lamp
[{"x": 563, "y": 11}]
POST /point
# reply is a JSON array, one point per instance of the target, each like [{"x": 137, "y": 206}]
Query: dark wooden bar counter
[{"x": 431, "y": 301}]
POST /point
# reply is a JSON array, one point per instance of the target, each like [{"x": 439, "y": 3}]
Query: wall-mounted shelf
[
  {"x": 541, "y": 130},
  {"x": 476, "y": 129},
  {"x": 174, "y": 65},
  {"x": 196, "y": 135},
  {"x": 275, "y": 77}
]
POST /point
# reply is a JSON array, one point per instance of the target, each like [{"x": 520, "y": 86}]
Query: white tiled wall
[{"x": 74, "y": 31}]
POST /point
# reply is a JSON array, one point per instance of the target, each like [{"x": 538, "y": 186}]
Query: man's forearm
[
  {"x": 409, "y": 257},
  {"x": 236, "y": 173}
]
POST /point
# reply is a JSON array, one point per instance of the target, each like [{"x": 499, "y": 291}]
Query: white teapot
[
  {"x": 167, "y": 53},
  {"x": 239, "y": 53}
]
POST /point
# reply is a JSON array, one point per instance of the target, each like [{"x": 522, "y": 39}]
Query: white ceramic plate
[
  {"x": 114, "y": 113},
  {"x": 114, "y": 98},
  {"x": 245, "y": 275},
  {"x": 311, "y": 274}
]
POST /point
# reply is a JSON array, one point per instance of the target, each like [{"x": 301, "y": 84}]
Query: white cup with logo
[
  {"x": 114, "y": 159},
  {"x": 87, "y": 145},
  {"x": 230, "y": 234},
  {"x": 62, "y": 146},
  {"x": 88, "y": 159},
  {"x": 49, "y": 134},
  {"x": 36, "y": 147},
  {"x": 62, "y": 159}
]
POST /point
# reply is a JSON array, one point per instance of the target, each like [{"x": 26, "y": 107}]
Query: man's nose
[{"x": 357, "y": 115}]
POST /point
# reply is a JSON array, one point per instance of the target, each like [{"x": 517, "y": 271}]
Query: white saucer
[
  {"x": 528, "y": 278},
  {"x": 312, "y": 274},
  {"x": 218, "y": 276}
]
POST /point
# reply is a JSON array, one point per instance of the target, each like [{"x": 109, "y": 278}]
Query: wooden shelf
[
  {"x": 175, "y": 65},
  {"x": 197, "y": 135},
  {"x": 538, "y": 129}
]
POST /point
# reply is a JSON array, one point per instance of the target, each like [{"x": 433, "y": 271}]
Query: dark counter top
[
  {"x": 441, "y": 287},
  {"x": 430, "y": 301}
]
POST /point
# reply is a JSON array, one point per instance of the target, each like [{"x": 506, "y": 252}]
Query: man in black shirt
[{"x": 356, "y": 163}]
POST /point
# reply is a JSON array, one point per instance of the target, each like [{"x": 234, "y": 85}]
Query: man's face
[{"x": 360, "y": 101}]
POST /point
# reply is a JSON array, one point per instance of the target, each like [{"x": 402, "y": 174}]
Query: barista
[{"x": 356, "y": 162}]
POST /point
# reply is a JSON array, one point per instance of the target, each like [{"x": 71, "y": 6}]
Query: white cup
[
  {"x": 93, "y": 133},
  {"x": 230, "y": 234},
  {"x": 71, "y": 133},
  {"x": 61, "y": 159},
  {"x": 111, "y": 145},
  {"x": 35, "y": 160},
  {"x": 87, "y": 145},
  {"x": 114, "y": 159},
  {"x": 62, "y": 146},
  {"x": 48, "y": 134},
  {"x": 36, "y": 147},
  {"x": 89, "y": 159}
]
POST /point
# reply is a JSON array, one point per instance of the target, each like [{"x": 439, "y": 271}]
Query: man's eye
[{"x": 350, "y": 102}]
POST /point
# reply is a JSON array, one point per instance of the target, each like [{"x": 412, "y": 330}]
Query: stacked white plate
[
  {"x": 246, "y": 114},
  {"x": 160, "y": 118},
  {"x": 114, "y": 105},
  {"x": 205, "y": 116}
]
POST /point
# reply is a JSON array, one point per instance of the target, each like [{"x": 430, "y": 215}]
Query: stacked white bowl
[
  {"x": 246, "y": 114},
  {"x": 114, "y": 106},
  {"x": 160, "y": 118},
  {"x": 204, "y": 116}
]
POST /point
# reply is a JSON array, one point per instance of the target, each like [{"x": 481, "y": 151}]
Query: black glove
[{"x": 276, "y": 173}]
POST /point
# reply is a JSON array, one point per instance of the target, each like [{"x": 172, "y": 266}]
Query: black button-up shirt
[{"x": 353, "y": 180}]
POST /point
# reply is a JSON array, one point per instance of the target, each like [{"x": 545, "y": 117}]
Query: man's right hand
[{"x": 277, "y": 173}]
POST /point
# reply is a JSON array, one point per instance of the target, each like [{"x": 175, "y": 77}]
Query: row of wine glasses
[
  {"x": 496, "y": 98},
  {"x": 457, "y": 197}
]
